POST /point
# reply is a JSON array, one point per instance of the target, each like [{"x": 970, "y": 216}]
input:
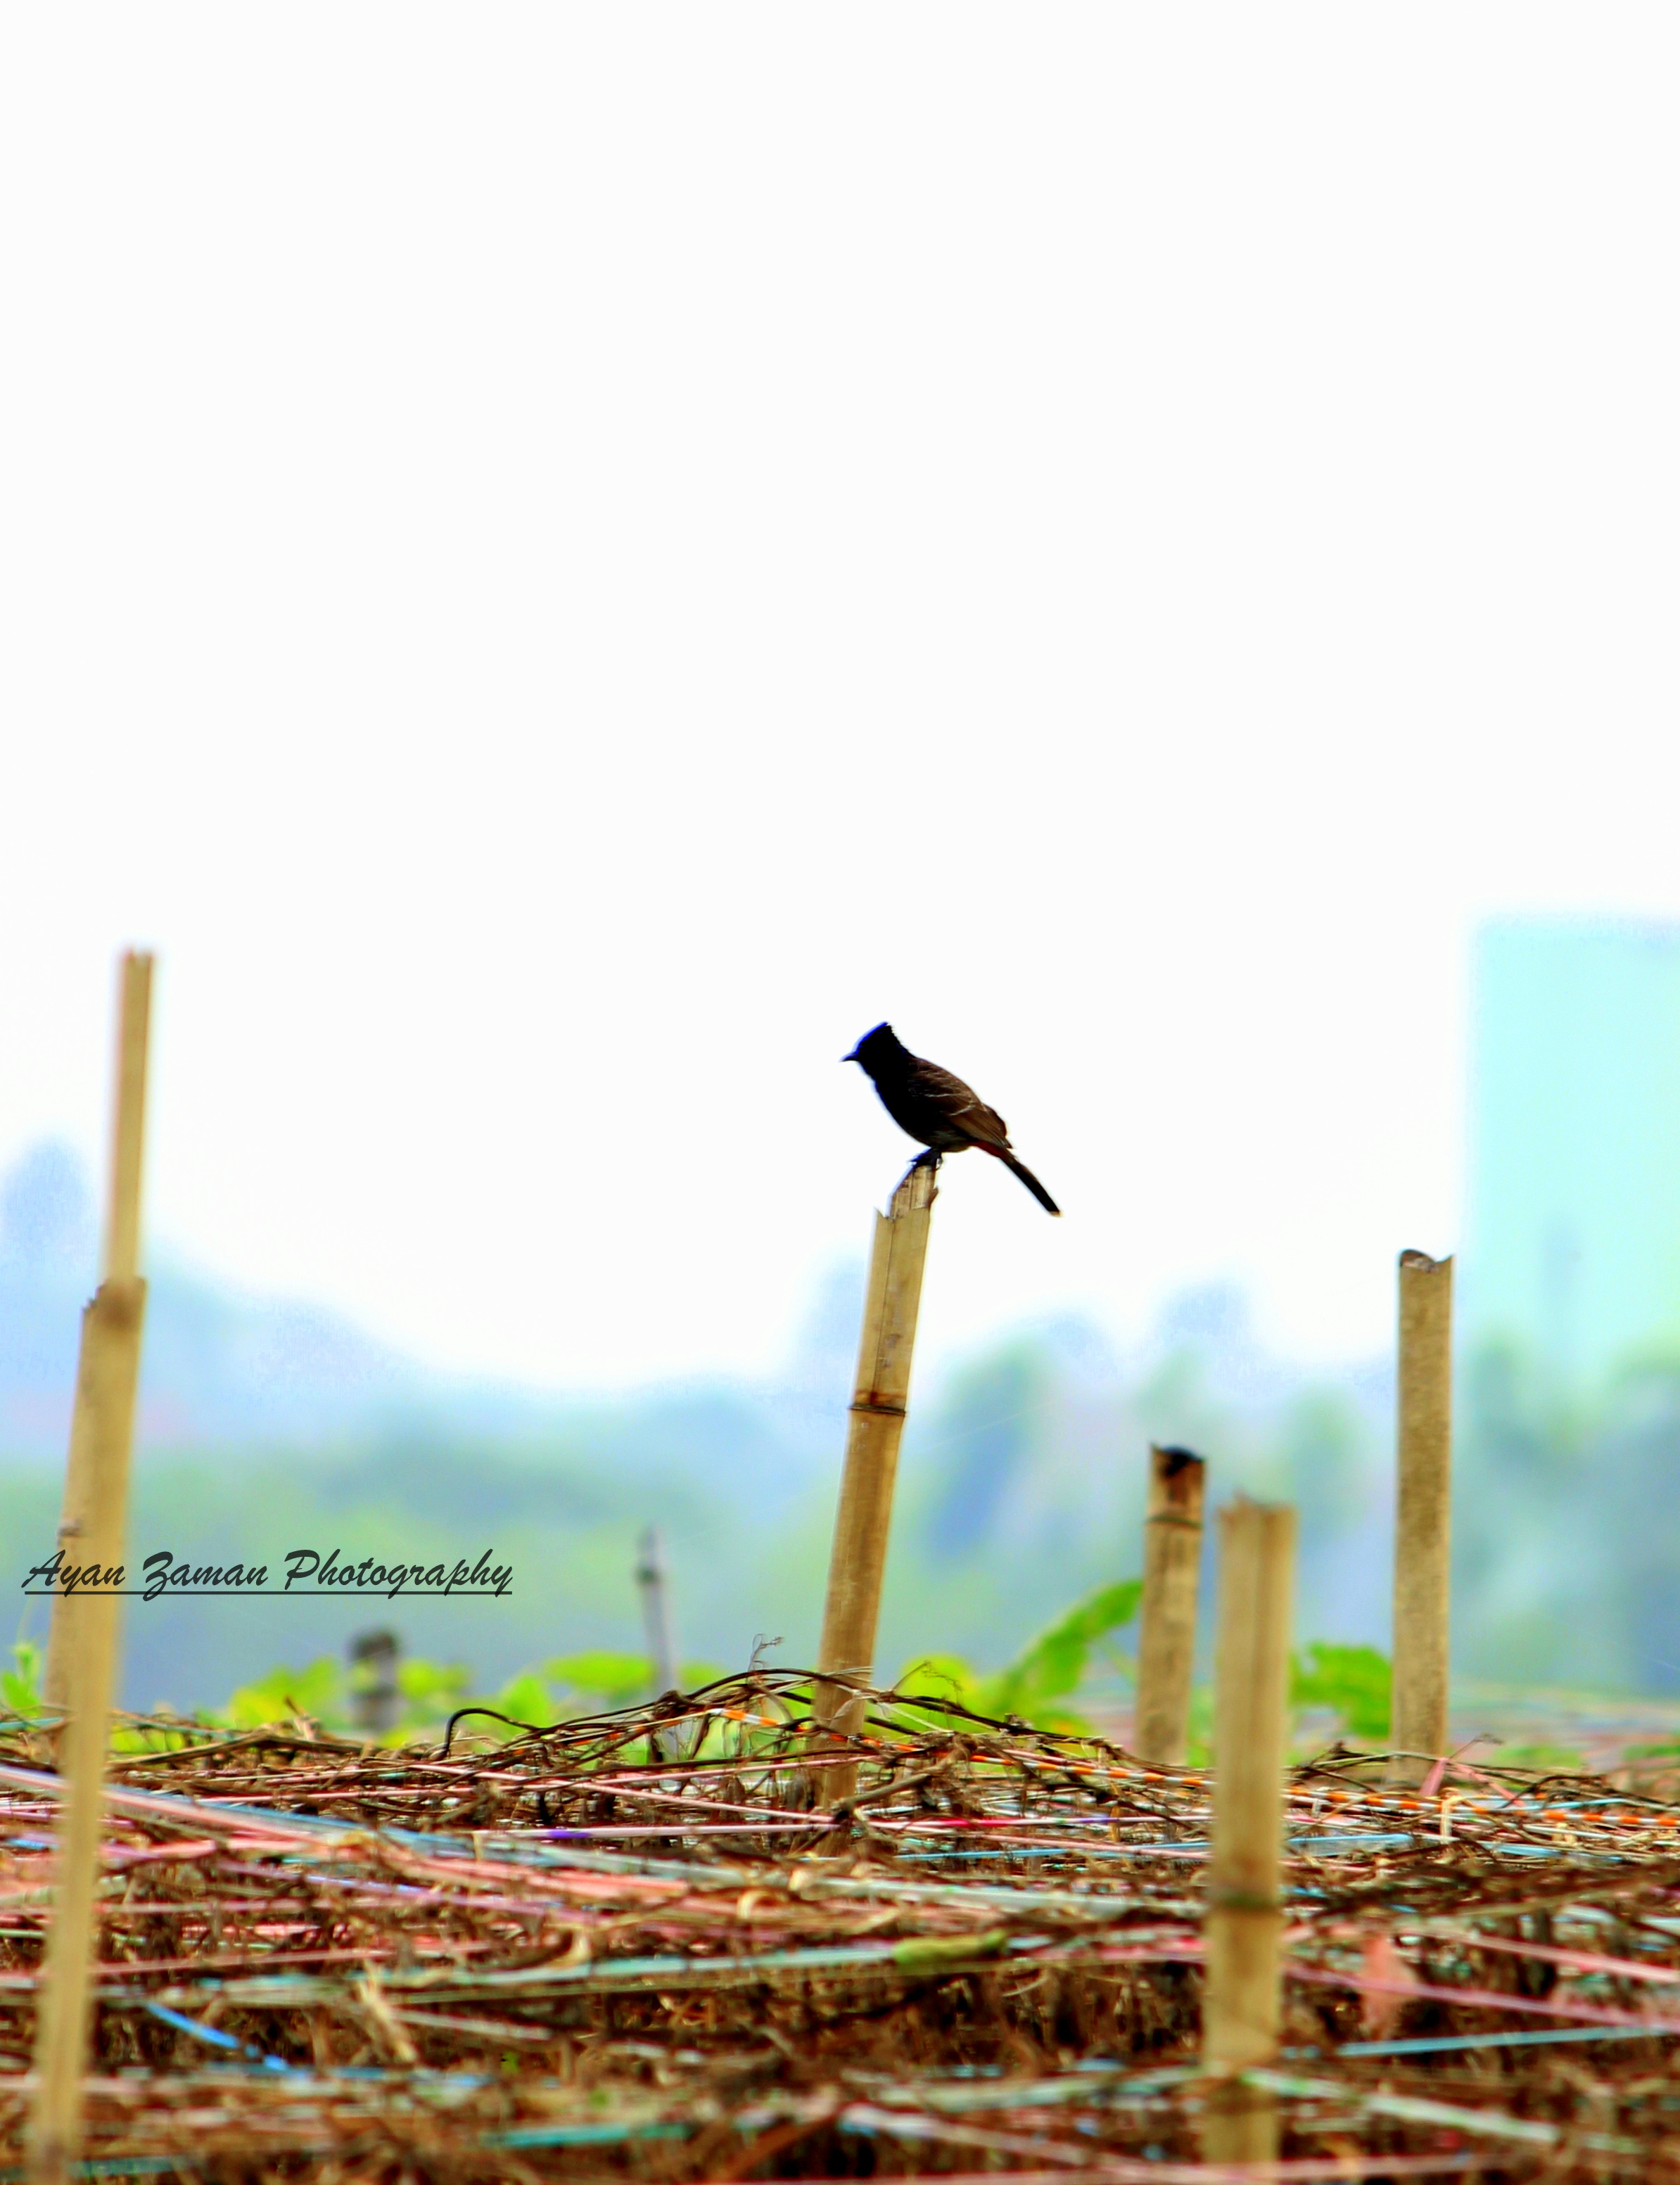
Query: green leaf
[
  {"x": 1054, "y": 1663},
  {"x": 527, "y": 1699},
  {"x": 283, "y": 1693},
  {"x": 1045, "y": 1671},
  {"x": 1353, "y": 1681},
  {"x": 940, "y": 1954},
  {"x": 432, "y": 1688},
  {"x": 20, "y": 1688},
  {"x": 615, "y": 1680},
  {"x": 945, "y": 1677}
]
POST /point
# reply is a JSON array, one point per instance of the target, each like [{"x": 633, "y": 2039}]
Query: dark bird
[{"x": 937, "y": 1110}]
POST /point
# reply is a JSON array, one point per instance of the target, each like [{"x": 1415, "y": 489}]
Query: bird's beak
[{"x": 852, "y": 1057}]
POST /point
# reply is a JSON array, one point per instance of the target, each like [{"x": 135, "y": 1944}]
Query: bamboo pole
[
  {"x": 1423, "y": 1513},
  {"x": 103, "y": 1437},
  {"x": 376, "y": 1696},
  {"x": 864, "y": 1519},
  {"x": 121, "y": 1264},
  {"x": 128, "y": 1124},
  {"x": 1242, "y": 2008},
  {"x": 653, "y": 1581},
  {"x": 1166, "y": 1649}
]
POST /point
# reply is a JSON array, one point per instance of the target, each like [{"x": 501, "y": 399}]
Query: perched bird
[{"x": 936, "y": 1109}]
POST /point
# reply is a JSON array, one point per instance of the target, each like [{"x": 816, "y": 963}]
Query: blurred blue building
[{"x": 1573, "y": 1250}]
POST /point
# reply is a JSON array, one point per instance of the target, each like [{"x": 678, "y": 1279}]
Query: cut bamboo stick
[
  {"x": 120, "y": 1263},
  {"x": 864, "y": 1519},
  {"x": 1242, "y": 2009},
  {"x": 128, "y": 1122},
  {"x": 653, "y": 1581},
  {"x": 1166, "y": 1650},
  {"x": 1423, "y": 1513},
  {"x": 86, "y": 1623}
]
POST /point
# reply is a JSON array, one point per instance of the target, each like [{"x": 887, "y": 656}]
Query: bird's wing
[{"x": 960, "y": 1104}]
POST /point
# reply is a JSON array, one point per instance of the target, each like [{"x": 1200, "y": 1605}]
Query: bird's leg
[{"x": 930, "y": 1157}]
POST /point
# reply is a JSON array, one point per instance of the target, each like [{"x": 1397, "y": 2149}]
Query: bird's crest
[{"x": 881, "y": 1042}]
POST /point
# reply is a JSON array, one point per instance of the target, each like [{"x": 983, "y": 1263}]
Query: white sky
[{"x": 560, "y": 563}]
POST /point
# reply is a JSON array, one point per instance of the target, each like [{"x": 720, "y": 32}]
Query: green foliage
[
  {"x": 316, "y": 1694},
  {"x": 154, "y": 1738},
  {"x": 607, "y": 1681},
  {"x": 942, "y": 1954},
  {"x": 1545, "y": 1759},
  {"x": 1352, "y": 1681},
  {"x": 1053, "y": 1665},
  {"x": 1199, "y": 1746},
  {"x": 945, "y": 1677},
  {"x": 1046, "y": 1671},
  {"x": 594, "y": 1682},
  {"x": 21, "y": 1686},
  {"x": 988, "y": 1424},
  {"x": 432, "y": 1690},
  {"x": 524, "y": 1699}
]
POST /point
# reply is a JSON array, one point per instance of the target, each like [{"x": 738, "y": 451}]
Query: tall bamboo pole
[
  {"x": 857, "y": 1562},
  {"x": 1242, "y": 2008},
  {"x": 1423, "y": 1512},
  {"x": 1166, "y": 1648},
  {"x": 121, "y": 1264},
  {"x": 107, "y": 1377}
]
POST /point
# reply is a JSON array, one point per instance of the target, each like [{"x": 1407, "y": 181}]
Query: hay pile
[{"x": 634, "y": 1945}]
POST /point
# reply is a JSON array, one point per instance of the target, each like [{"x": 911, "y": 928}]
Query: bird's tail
[{"x": 1021, "y": 1169}]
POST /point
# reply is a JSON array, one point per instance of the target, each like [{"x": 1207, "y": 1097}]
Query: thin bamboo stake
[
  {"x": 653, "y": 1580},
  {"x": 864, "y": 1519},
  {"x": 1242, "y": 2007},
  {"x": 86, "y": 1623},
  {"x": 128, "y": 1124},
  {"x": 1423, "y": 1514},
  {"x": 1166, "y": 1649},
  {"x": 121, "y": 1264},
  {"x": 376, "y": 1697}
]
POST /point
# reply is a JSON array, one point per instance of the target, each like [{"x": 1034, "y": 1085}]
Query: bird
[{"x": 938, "y": 1110}]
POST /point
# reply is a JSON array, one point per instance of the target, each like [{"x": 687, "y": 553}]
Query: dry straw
[{"x": 568, "y": 1956}]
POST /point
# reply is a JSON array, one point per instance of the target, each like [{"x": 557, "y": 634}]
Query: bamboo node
[{"x": 120, "y": 1302}]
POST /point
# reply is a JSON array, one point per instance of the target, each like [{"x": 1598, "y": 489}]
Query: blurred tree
[{"x": 983, "y": 1434}]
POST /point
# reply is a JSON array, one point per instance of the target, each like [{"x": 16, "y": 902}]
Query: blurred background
[{"x": 559, "y": 568}]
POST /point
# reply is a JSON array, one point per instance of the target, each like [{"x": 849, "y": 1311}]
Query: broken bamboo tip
[{"x": 915, "y": 1192}]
